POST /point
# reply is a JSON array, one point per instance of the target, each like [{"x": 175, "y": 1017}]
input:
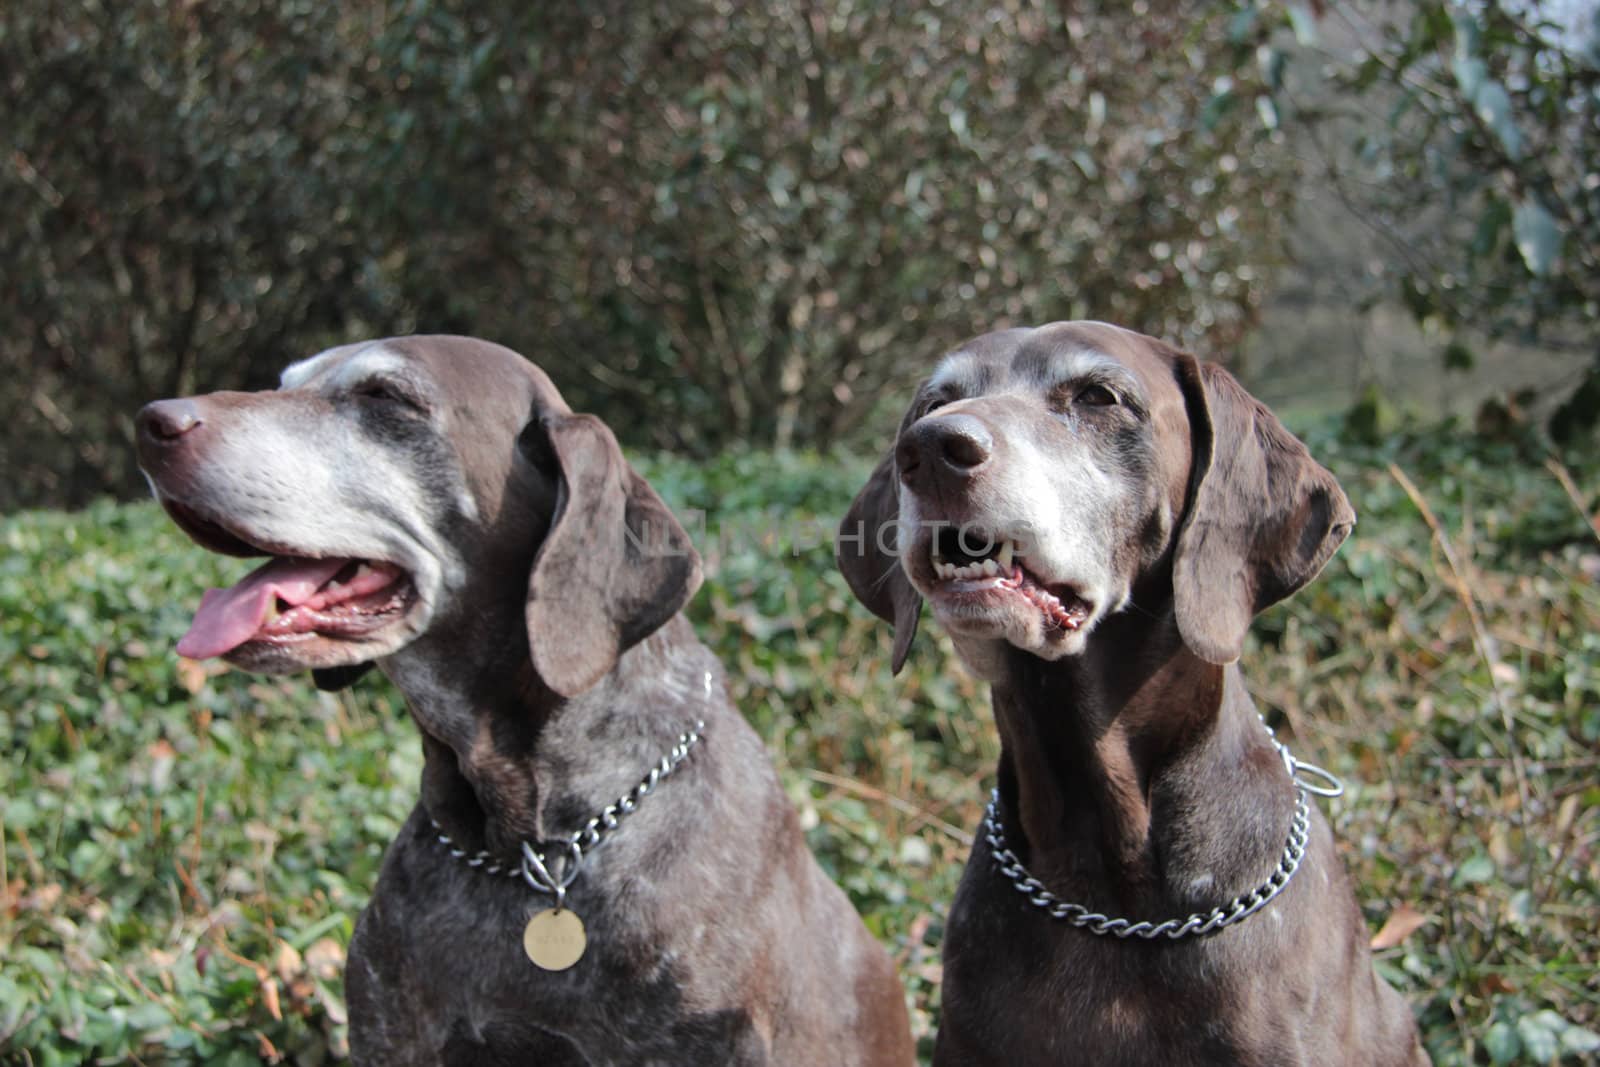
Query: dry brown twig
[
  {"x": 903, "y": 806},
  {"x": 1480, "y": 633},
  {"x": 1570, "y": 487}
]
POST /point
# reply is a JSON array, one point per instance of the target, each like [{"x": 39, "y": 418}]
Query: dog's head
[
  {"x": 1041, "y": 477},
  {"x": 420, "y": 491}
]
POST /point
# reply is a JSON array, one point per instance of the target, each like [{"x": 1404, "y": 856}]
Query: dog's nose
[
  {"x": 938, "y": 447},
  {"x": 166, "y": 420}
]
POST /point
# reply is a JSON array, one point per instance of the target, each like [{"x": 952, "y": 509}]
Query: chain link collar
[
  {"x": 552, "y": 866},
  {"x": 1236, "y": 910}
]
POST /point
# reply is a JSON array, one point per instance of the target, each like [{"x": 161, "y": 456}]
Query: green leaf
[
  {"x": 1467, "y": 34},
  {"x": 1495, "y": 218},
  {"x": 1304, "y": 22},
  {"x": 1478, "y": 869},
  {"x": 1501, "y": 1043},
  {"x": 958, "y": 125},
  {"x": 1521, "y": 909},
  {"x": 1493, "y": 105},
  {"x": 1241, "y": 25},
  {"x": 1538, "y": 236},
  {"x": 1271, "y": 62},
  {"x": 1216, "y": 108},
  {"x": 1267, "y": 112},
  {"x": 1541, "y": 1035},
  {"x": 1578, "y": 1041},
  {"x": 1470, "y": 71}
]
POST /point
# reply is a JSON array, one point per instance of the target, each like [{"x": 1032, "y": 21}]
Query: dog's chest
[
  {"x": 443, "y": 959},
  {"x": 1061, "y": 994}
]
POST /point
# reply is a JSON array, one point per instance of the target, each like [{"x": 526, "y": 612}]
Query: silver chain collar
[
  {"x": 1236, "y": 910},
  {"x": 552, "y": 866}
]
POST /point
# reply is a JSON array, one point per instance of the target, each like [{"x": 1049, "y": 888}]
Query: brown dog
[
  {"x": 1095, "y": 518},
  {"x": 432, "y": 506}
]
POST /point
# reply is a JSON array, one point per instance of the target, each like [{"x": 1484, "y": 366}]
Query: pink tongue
[{"x": 229, "y": 617}]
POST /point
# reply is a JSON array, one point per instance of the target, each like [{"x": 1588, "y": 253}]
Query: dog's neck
[
  {"x": 507, "y": 760},
  {"x": 1118, "y": 764}
]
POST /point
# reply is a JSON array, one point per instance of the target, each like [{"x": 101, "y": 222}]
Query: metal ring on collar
[
  {"x": 1333, "y": 787},
  {"x": 536, "y": 870},
  {"x": 533, "y": 866}
]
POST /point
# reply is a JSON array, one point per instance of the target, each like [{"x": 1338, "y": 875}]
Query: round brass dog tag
[{"x": 554, "y": 939}]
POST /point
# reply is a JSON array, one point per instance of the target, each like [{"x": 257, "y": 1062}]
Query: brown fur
[
  {"x": 553, "y": 670},
  {"x": 1134, "y": 777}
]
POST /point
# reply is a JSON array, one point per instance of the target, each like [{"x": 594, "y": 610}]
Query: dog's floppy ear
[
  {"x": 864, "y": 551},
  {"x": 615, "y": 564},
  {"x": 333, "y": 679},
  {"x": 1263, "y": 516}
]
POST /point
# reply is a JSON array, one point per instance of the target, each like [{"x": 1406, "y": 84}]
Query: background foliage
[
  {"x": 731, "y": 225},
  {"x": 1462, "y": 140},
  {"x": 186, "y": 850},
  {"x": 748, "y": 217}
]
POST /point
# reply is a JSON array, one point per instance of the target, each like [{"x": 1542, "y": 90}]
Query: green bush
[
  {"x": 1463, "y": 139},
  {"x": 185, "y": 850},
  {"x": 742, "y": 219}
]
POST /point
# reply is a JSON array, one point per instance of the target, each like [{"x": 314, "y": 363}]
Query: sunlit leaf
[
  {"x": 1267, "y": 111},
  {"x": 1501, "y": 1042},
  {"x": 1304, "y": 21},
  {"x": 1493, "y": 105},
  {"x": 1579, "y": 1041},
  {"x": 1470, "y": 72},
  {"x": 1538, "y": 236},
  {"x": 1271, "y": 62},
  {"x": 1467, "y": 33},
  {"x": 1478, "y": 868},
  {"x": 1541, "y": 1035}
]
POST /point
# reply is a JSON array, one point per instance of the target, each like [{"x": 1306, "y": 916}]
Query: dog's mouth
[
  {"x": 294, "y": 598},
  {"x": 969, "y": 563}
]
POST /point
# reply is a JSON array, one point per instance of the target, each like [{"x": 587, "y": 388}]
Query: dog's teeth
[
  {"x": 1007, "y": 550},
  {"x": 991, "y": 568},
  {"x": 361, "y": 570}
]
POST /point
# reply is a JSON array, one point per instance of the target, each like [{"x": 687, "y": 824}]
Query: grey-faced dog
[
  {"x": 1095, "y": 518},
  {"x": 433, "y": 507}
]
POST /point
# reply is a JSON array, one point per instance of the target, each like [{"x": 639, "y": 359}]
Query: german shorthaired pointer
[
  {"x": 1095, "y": 518},
  {"x": 432, "y": 506}
]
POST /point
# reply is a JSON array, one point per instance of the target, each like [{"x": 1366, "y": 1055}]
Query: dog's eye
[
  {"x": 386, "y": 393},
  {"x": 1095, "y": 396},
  {"x": 934, "y": 401}
]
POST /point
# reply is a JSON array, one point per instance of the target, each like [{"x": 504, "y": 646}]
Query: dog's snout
[
  {"x": 167, "y": 420},
  {"x": 967, "y": 445},
  {"x": 166, "y": 436},
  {"x": 940, "y": 447}
]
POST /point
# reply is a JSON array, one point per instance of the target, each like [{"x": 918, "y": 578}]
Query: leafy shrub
[
  {"x": 748, "y": 219},
  {"x": 1463, "y": 137},
  {"x": 185, "y": 850}
]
